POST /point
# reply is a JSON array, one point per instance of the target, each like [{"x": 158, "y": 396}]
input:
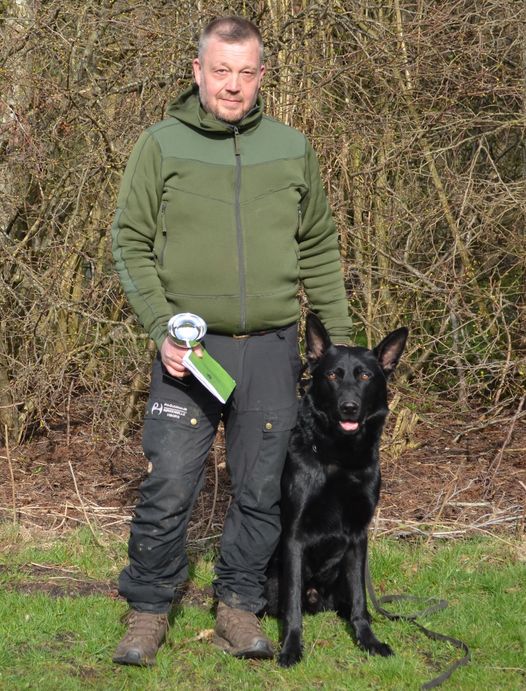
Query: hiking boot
[
  {"x": 239, "y": 633},
  {"x": 146, "y": 632}
]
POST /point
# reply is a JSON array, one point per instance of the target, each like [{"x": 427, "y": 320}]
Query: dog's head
[{"x": 349, "y": 384}]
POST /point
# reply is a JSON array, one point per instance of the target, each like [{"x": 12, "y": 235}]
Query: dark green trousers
[{"x": 180, "y": 424}]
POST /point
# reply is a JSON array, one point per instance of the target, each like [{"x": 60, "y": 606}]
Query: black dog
[{"x": 330, "y": 489}]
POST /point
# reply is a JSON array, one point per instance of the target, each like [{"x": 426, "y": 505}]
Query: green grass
[{"x": 67, "y": 642}]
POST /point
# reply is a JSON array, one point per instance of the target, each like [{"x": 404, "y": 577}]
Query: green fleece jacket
[{"x": 225, "y": 221}]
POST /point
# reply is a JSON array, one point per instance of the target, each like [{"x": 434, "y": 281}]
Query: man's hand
[{"x": 172, "y": 357}]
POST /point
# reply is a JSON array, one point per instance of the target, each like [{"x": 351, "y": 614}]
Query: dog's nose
[{"x": 349, "y": 407}]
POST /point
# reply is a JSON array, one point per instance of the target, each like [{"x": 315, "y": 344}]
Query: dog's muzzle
[{"x": 349, "y": 411}]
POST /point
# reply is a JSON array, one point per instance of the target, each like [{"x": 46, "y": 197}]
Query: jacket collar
[{"x": 188, "y": 109}]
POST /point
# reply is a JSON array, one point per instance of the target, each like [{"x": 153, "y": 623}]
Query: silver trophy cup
[{"x": 186, "y": 329}]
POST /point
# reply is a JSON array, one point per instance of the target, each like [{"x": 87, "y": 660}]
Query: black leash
[{"x": 435, "y": 606}]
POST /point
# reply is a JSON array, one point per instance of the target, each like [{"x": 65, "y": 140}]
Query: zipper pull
[
  {"x": 236, "y": 141},
  {"x": 163, "y": 217}
]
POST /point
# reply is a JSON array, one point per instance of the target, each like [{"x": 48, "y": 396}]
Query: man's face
[{"x": 229, "y": 76}]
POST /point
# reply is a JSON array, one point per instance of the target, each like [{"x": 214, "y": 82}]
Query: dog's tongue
[{"x": 349, "y": 426}]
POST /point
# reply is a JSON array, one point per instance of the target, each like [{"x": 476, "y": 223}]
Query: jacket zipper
[
  {"x": 165, "y": 234},
  {"x": 239, "y": 231}
]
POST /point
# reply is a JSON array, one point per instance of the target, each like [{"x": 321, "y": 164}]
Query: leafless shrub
[{"x": 416, "y": 110}]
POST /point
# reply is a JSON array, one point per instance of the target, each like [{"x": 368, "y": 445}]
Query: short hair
[{"x": 231, "y": 29}]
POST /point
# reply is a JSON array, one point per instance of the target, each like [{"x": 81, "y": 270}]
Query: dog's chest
[{"x": 343, "y": 504}]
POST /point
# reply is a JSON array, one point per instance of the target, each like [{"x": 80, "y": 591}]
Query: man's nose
[{"x": 233, "y": 82}]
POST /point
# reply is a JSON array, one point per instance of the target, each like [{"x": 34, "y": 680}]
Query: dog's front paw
[
  {"x": 289, "y": 657},
  {"x": 291, "y": 652},
  {"x": 368, "y": 642},
  {"x": 379, "y": 648}
]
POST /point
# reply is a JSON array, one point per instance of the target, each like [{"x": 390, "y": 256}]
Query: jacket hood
[{"x": 188, "y": 109}]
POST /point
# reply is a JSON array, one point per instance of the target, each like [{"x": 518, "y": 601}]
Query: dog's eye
[
  {"x": 331, "y": 376},
  {"x": 364, "y": 376}
]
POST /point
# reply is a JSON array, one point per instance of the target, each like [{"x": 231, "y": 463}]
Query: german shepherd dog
[{"x": 330, "y": 489}]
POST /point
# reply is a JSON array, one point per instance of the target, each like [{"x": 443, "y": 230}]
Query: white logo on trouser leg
[{"x": 157, "y": 408}]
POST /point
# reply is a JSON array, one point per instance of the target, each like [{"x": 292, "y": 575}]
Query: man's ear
[
  {"x": 389, "y": 351},
  {"x": 318, "y": 340},
  {"x": 196, "y": 67}
]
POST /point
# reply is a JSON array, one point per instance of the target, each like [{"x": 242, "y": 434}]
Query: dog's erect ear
[
  {"x": 390, "y": 349},
  {"x": 318, "y": 340}
]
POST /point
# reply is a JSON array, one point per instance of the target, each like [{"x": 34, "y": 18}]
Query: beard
[{"x": 223, "y": 114}]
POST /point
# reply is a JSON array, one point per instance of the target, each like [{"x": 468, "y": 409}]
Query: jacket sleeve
[
  {"x": 320, "y": 263},
  {"x": 133, "y": 234}
]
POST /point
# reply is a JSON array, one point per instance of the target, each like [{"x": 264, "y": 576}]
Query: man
[{"x": 221, "y": 213}]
